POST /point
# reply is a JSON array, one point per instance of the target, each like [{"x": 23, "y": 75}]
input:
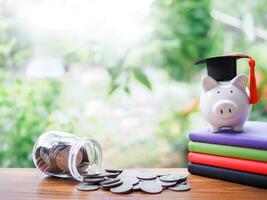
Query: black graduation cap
[{"x": 223, "y": 68}]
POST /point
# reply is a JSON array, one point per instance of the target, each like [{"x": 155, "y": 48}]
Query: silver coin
[
  {"x": 110, "y": 180},
  {"x": 151, "y": 187},
  {"x": 172, "y": 178},
  {"x": 86, "y": 187},
  {"x": 108, "y": 174},
  {"x": 83, "y": 167},
  {"x": 114, "y": 170},
  {"x": 130, "y": 180},
  {"x": 137, "y": 187},
  {"x": 180, "y": 187},
  {"x": 122, "y": 189},
  {"x": 146, "y": 176},
  {"x": 93, "y": 180},
  {"x": 183, "y": 177},
  {"x": 90, "y": 174},
  {"x": 167, "y": 184},
  {"x": 112, "y": 185},
  {"x": 159, "y": 174}
]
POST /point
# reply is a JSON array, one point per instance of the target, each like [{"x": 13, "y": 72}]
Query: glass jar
[{"x": 65, "y": 155}]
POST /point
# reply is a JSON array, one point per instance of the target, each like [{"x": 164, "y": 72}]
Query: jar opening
[{"x": 85, "y": 157}]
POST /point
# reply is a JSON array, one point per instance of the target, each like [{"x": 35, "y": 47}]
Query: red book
[{"x": 229, "y": 163}]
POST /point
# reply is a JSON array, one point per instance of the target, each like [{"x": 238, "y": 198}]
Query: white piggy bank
[{"x": 225, "y": 104}]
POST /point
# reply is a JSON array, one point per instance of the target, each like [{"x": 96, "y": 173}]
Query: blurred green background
[{"x": 120, "y": 71}]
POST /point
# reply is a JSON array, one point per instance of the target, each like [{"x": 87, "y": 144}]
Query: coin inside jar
[{"x": 61, "y": 159}]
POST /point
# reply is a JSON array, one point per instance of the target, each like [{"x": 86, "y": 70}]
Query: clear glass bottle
[{"x": 65, "y": 155}]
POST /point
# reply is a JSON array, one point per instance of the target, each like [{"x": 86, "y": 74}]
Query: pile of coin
[
  {"x": 54, "y": 160},
  {"x": 125, "y": 181}
]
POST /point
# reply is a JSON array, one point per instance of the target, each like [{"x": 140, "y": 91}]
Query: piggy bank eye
[
  {"x": 232, "y": 91},
  {"x": 218, "y": 92}
]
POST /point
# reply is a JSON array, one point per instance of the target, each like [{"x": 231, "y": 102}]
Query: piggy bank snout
[{"x": 224, "y": 109}]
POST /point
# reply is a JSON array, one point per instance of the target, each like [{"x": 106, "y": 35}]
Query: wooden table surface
[{"x": 32, "y": 184}]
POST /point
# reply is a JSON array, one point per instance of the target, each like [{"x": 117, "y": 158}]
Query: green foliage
[
  {"x": 141, "y": 77},
  {"x": 24, "y": 109},
  {"x": 123, "y": 78},
  {"x": 181, "y": 35}
]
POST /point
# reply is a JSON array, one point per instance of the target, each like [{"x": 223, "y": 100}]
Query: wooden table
[{"x": 32, "y": 184}]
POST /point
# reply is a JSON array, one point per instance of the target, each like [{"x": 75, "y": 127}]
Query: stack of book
[{"x": 230, "y": 156}]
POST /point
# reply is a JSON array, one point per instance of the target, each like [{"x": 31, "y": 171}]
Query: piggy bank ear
[
  {"x": 208, "y": 83},
  {"x": 240, "y": 81}
]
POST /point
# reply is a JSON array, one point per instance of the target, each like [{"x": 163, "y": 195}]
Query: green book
[{"x": 228, "y": 151}]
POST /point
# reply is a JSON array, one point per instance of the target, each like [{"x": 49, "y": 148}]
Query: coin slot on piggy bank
[
  {"x": 226, "y": 100},
  {"x": 64, "y": 155}
]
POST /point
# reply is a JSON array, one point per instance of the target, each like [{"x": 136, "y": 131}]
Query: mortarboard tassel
[{"x": 254, "y": 98}]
